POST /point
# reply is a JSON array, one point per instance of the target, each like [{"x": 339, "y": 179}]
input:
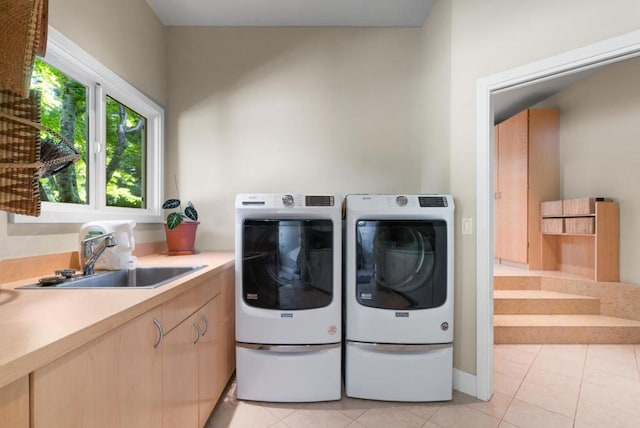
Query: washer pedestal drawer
[
  {"x": 399, "y": 372},
  {"x": 301, "y": 375}
]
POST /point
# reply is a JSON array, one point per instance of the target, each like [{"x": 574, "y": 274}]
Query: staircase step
[
  {"x": 516, "y": 283},
  {"x": 565, "y": 329},
  {"x": 540, "y": 302}
]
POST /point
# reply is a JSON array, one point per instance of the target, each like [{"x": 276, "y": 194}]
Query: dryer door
[
  {"x": 287, "y": 264},
  {"x": 401, "y": 264}
]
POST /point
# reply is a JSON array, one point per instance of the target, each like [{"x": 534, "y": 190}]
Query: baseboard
[{"x": 464, "y": 382}]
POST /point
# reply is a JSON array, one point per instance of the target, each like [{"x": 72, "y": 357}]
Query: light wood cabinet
[
  {"x": 527, "y": 173},
  {"x": 149, "y": 372},
  {"x": 227, "y": 352},
  {"x": 115, "y": 381},
  {"x": 211, "y": 351},
  {"x": 196, "y": 359},
  {"x": 14, "y": 404},
  {"x": 217, "y": 346},
  {"x": 180, "y": 375},
  {"x": 585, "y": 239}
]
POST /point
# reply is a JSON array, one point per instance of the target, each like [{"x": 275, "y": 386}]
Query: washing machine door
[
  {"x": 287, "y": 264},
  {"x": 401, "y": 264}
]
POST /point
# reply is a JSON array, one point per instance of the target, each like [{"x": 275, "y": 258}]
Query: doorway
[{"x": 514, "y": 90}]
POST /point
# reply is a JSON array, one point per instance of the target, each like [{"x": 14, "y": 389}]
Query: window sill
[{"x": 57, "y": 217}]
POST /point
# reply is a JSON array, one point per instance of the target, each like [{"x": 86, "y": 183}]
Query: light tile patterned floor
[{"x": 555, "y": 386}]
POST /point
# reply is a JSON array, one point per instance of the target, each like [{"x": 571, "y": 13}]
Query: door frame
[{"x": 575, "y": 61}]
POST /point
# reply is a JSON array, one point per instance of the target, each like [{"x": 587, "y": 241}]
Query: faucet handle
[{"x": 111, "y": 240}]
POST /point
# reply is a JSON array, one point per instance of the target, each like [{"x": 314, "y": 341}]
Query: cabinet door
[
  {"x": 14, "y": 404},
  {"x": 209, "y": 358},
  {"x": 112, "y": 382},
  {"x": 216, "y": 348},
  {"x": 512, "y": 189},
  {"x": 180, "y": 375},
  {"x": 139, "y": 372},
  {"x": 544, "y": 174}
]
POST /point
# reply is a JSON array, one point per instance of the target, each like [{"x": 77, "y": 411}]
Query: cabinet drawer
[
  {"x": 552, "y": 225},
  {"x": 180, "y": 308},
  {"x": 579, "y": 206},
  {"x": 551, "y": 208},
  {"x": 579, "y": 226}
]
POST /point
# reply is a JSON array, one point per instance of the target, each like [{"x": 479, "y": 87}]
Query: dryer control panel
[
  {"x": 319, "y": 201},
  {"x": 432, "y": 201}
]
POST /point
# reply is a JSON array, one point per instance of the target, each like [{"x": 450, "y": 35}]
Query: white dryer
[
  {"x": 399, "y": 297},
  {"x": 288, "y": 297}
]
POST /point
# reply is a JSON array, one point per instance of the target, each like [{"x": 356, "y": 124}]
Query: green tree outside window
[{"x": 63, "y": 109}]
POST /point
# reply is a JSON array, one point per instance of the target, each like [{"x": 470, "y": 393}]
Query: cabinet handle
[
  {"x": 160, "y": 332},
  {"x": 198, "y": 332},
  {"x": 206, "y": 324}
]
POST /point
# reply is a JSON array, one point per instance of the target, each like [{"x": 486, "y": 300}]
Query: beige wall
[
  {"x": 435, "y": 75},
  {"x": 600, "y": 148},
  {"x": 127, "y": 37},
  {"x": 488, "y": 37},
  {"x": 290, "y": 110}
]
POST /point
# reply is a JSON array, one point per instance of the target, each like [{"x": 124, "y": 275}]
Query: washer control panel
[
  {"x": 286, "y": 201},
  {"x": 289, "y": 200}
]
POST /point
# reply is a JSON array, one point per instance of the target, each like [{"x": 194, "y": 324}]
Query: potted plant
[{"x": 180, "y": 228}]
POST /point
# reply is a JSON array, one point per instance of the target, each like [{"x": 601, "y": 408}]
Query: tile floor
[{"x": 539, "y": 386}]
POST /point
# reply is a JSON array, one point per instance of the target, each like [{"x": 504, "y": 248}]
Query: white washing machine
[
  {"x": 399, "y": 297},
  {"x": 288, "y": 297}
]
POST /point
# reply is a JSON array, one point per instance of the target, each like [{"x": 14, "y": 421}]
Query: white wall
[
  {"x": 304, "y": 110},
  {"x": 488, "y": 37},
  {"x": 600, "y": 148},
  {"x": 127, "y": 37}
]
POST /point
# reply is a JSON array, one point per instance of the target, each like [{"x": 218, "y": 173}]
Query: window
[
  {"x": 63, "y": 108},
  {"x": 116, "y": 129},
  {"x": 126, "y": 136}
]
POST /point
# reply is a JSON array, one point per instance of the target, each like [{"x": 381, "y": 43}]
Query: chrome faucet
[{"x": 91, "y": 248}]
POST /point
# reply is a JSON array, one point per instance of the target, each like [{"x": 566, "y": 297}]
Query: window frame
[{"x": 102, "y": 82}]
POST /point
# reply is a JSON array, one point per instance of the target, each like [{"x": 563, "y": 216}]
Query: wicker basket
[
  {"x": 23, "y": 33},
  {"x": 19, "y": 155},
  {"x": 23, "y": 160}
]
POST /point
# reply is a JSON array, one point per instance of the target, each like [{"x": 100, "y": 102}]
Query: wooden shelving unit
[{"x": 582, "y": 237}]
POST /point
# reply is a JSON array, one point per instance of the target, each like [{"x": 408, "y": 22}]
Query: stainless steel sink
[{"x": 142, "y": 277}]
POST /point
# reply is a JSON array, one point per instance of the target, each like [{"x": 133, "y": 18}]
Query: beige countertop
[{"x": 39, "y": 326}]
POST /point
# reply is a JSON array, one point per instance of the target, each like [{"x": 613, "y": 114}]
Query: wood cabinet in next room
[{"x": 526, "y": 173}]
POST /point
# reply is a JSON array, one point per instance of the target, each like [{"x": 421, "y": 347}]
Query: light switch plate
[{"x": 467, "y": 226}]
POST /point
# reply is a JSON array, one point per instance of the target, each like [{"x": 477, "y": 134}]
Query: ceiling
[{"x": 292, "y": 13}]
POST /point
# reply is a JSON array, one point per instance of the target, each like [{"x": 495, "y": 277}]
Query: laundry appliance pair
[{"x": 367, "y": 281}]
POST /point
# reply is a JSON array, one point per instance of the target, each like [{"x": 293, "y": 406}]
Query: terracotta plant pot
[{"x": 181, "y": 240}]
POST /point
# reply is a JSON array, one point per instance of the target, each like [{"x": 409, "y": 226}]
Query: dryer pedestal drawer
[
  {"x": 281, "y": 376},
  {"x": 406, "y": 373}
]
